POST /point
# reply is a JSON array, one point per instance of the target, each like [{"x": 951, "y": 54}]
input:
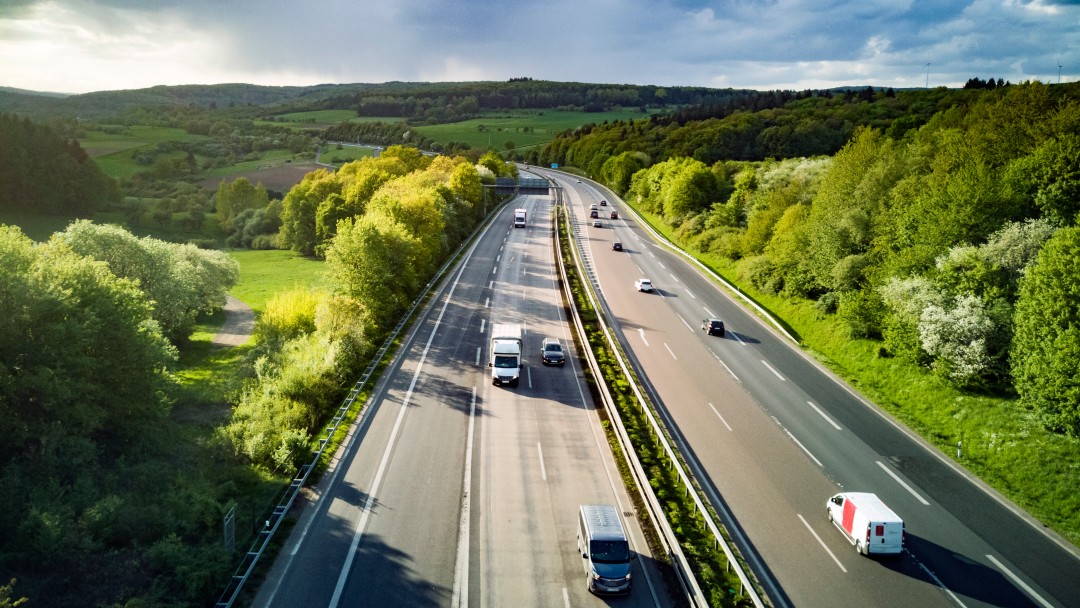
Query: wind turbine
[
  {"x": 927, "y": 85},
  {"x": 1059, "y": 72}
]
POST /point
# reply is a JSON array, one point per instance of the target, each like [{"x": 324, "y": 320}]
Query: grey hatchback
[{"x": 551, "y": 352}]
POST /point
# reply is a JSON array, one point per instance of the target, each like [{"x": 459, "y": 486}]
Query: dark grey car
[
  {"x": 713, "y": 326},
  {"x": 551, "y": 352}
]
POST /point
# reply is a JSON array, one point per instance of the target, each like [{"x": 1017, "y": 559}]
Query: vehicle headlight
[{"x": 595, "y": 576}]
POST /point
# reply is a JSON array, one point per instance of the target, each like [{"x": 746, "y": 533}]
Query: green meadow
[
  {"x": 265, "y": 273},
  {"x": 525, "y": 128}
]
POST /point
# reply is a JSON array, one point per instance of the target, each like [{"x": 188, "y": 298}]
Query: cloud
[{"x": 82, "y": 45}]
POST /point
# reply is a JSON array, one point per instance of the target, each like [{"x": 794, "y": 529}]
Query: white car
[{"x": 643, "y": 285}]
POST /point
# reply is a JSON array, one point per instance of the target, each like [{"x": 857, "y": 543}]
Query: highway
[
  {"x": 454, "y": 492},
  {"x": 773, "y": 435}
]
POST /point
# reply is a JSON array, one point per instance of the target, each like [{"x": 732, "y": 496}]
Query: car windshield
[
  {"x": 504, "y": 361},
  {"x": 553, "y": 348},
  {"x": 609, "y": 551}
]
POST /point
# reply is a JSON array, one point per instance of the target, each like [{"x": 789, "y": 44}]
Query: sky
[{"x": 78, "y": 46}]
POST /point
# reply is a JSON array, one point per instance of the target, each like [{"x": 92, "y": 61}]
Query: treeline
[
  {"x": 103, "y": 501},
  {"x": 954, "y": 245},
  {"x": 383, "y": 226},
  {"x": 43, "y": 173},
  {"x": 773, "y": 124}
]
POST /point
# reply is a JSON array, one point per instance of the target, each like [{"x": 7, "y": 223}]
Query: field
[
  {"x": 321, "y": 119},
  {"x": 340, "y": 154},
  {"x": 525, "y": 128},
  {"x": 265, "y": 273},
  {"x": 119, "y": 138},
  {"x": 276, "y": 172}
]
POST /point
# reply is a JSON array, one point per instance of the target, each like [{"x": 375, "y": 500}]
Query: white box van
[
  {"x": 604, "y": 549},
  {"x": 869, "y": 525}
]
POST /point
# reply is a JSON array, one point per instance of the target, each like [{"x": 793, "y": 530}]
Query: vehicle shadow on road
[{"x": 959, "y": 573}]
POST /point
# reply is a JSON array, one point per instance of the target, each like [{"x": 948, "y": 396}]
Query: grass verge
[{"x": 1001, "y": 442}]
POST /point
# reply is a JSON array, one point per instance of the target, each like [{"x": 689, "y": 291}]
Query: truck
[
  {"x": 866, "y": 522},
  {"x": 505, "y": 356},
  {"x": 519, "y": 218}
]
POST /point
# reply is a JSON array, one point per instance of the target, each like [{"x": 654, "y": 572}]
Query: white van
[
  {"x": 869, "y": 525},
  {"x": 604, "y": 549}
]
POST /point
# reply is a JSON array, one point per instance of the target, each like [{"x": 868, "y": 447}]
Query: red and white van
[{"x": 869, "y": 525}]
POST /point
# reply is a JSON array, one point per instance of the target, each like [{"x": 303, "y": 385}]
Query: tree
[
  {"x": 1046, "y": 347},
  {"x": 237, "y": 197},
  {"x": 368, "y": 263},
  {"x": 80, "y": 354},
  {"x": 182, "y": 281},
  {"x": 300, "y": 210}
]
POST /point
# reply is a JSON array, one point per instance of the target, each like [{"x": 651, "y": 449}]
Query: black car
[
  {"x": 616, "y": 246},
  {"x": 713, "y": 327},
  {"x": 551, "y": 352}
]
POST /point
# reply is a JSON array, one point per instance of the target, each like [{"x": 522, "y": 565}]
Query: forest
[
  {"x": 113, "y": 498},
  {"x": 938, "y": 225},
  {"x": 948, "y": 241}
]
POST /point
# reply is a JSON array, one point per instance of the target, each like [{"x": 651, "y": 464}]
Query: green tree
[
  {"x": 1046, "y": 347},
  {"x": 232, "y": 199},
  {"x": 300, "y": 210},
  {"x": 182, "y": 281},
  {"x": 368, "y": 263}
]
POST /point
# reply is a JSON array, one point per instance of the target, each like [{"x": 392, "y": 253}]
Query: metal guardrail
[
  {"x": 691, "y": 489},
  {"x": 244, "y": 571}
]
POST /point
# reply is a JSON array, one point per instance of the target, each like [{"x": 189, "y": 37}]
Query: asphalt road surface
[
  {"x": 454, "y": 492},
  {"x": 773, "y": 436}
]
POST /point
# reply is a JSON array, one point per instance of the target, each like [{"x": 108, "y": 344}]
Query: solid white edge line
[
  {"x": 1016, "y": 579},
  {"x": 799, "y": 443},
  {"x": 461, "y": 566},
  {"x": 827, "y": 419},
  {"x": 902, "y": 483},
  {"x": 821, "y": 542},
  {"x": 358, "y": 532}
]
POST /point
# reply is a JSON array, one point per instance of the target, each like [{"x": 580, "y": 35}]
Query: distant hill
[
  {"x": 402, "y": 98},
  {"x": 29, "y": 92}
]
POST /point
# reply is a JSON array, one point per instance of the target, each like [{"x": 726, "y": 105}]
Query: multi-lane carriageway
[
  {"x": 454, "y": 492},
  {"x": 773, "y": 435}
]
